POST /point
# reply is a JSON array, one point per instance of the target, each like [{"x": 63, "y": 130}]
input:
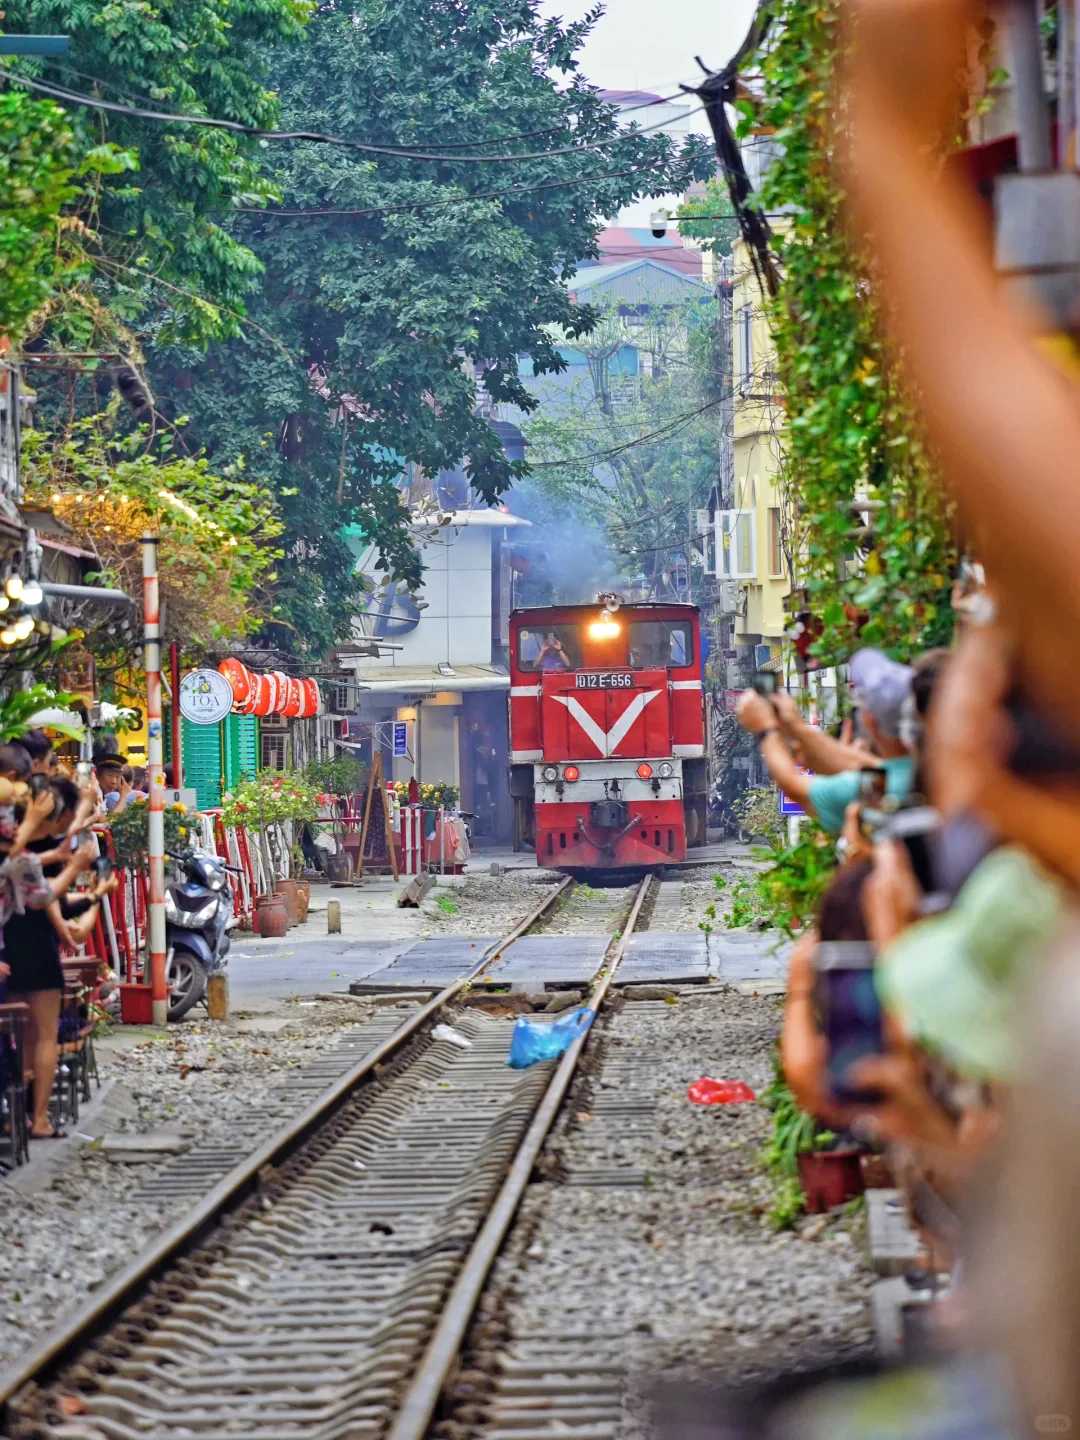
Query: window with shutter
[
  {"x": 201, "y": 752},
  {"x": 736, "y": 545}
]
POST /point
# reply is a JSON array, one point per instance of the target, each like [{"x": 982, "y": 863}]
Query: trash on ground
[
  {"x": 451, "y": 1036},
  {"x": 534, "y": 1039},
  {"x": 708, "y": 1091}
]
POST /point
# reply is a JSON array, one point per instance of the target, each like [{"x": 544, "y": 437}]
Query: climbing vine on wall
[{"x": 852, "y": 439}]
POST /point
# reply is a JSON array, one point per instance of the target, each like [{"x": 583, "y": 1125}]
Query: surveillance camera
[{"x": 659, "y": 223}]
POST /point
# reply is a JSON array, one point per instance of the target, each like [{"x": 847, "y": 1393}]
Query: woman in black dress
[{"x": 32, "y": 943}]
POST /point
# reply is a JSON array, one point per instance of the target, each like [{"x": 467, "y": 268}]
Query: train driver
[{"x": 552, "y": 655}]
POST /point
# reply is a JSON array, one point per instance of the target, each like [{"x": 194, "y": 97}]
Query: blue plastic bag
[{"x": 535, "y": 1039}]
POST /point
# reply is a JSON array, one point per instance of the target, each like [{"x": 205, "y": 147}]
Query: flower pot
[
  {"x": 303, "y": 893},
  {"x": 287, "y": 890},
  {"x": 271, "y": 916},
  {"x": 136, "y": 1004},
  {"x": 338, "y": 868},
  {"x": 829, "y": 1178}
]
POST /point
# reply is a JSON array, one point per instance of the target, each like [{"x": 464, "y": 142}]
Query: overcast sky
[{"x": 651, "y": 44}]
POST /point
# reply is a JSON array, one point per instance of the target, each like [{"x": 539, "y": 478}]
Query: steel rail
[
  {"x": 417, "y": 1408},
  {"x": 121, "y": 1288}
]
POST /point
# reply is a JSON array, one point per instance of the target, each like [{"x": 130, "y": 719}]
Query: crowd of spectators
[
  {"x": 53, "y": 878},
  {"x": 956, "y": 804}
]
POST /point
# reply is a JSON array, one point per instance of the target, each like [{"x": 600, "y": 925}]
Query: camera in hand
[
  {"x": 916, "y": 826},
  {"x": 765, "y": 683},
  {"x": 849, "y": 1012}
]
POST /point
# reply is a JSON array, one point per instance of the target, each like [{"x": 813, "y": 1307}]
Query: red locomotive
[{"x": 608, "y": 760}]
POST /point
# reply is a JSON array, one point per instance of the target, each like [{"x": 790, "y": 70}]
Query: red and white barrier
[{"x": 411, "y": 838}]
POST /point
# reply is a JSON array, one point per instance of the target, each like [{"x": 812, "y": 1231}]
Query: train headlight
[
  {"x": 644, "y": 771},
  {"x": 665, "y": 770},
  {"x": 571, "y": 774},
  {"x": 550, "y": 773}
]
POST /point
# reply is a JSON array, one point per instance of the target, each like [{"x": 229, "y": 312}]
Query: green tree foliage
[
  {"x": 852, "y": 433},
  {"x": 709, "y": 218},
  {"x": 589, "y": 442},
  {"x": 218, "y": 529},
  {"x": 37, "y": 166},
  {"x": 43, "y": 168},
  {"x": 392, "y": 318},
  {"x": 163, "y": 258}
]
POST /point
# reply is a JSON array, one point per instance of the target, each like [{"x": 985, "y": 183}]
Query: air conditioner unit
[{"x": 727, "y": 597}]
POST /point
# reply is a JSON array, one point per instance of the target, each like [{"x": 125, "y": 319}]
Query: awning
[{"x": 428, "y": 679}]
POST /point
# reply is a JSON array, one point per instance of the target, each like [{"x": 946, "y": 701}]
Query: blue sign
[
  {"x": 789, "y": 806},
  {"x": 401, "y": 737}
]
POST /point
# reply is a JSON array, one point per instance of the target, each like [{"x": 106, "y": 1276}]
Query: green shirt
[
  {"x": 956, "y": 981},
  {"x": 830, "y": 795}
]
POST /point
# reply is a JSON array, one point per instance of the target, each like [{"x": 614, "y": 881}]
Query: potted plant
[
  {"x": 266, "y": 805},
  {"x": 340, "y": 783},
  {"x": 812, "y": 1168},
  {"x": 130, "y": 829}
]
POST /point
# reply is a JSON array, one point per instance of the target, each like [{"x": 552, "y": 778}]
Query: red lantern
[
  {"x": 264, "y": 695},
  {"x": 294, "y": 700},
  {"x": 312, "y": 698},
  {"x": 281, "y": 682},
  {"x": 239, "y": 678}
]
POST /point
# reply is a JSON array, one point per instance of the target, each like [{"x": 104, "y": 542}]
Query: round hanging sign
[{"x": 205, "y": 697}]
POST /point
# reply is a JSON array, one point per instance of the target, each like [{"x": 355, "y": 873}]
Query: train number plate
[{"x": 604, "y": 680}]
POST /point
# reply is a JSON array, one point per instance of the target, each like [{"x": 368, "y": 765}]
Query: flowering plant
[
  {"x": 439, "y": 793},
  {"x": 271, "y": 797},
  {"x": 130, "y": 829}
]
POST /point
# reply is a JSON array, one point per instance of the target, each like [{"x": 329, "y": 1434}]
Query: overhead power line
[
  {"x": 510, "y": 190},
  {"x": 397, "y": 152},
  {"x": 447, "y": 144},
  {"x": 662, "y": 433}
]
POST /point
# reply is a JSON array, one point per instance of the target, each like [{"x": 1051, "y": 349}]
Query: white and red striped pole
[{"x": 155, "y": 779}]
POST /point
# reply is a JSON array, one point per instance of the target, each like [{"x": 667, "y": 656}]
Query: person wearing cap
[
  {"x": 883, "y": 688},
  {"x": 109, "y": 769}
]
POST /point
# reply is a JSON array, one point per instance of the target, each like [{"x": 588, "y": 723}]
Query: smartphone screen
[
  {"x": 917, "y": 830},
  {"x": 850, "y": 1015},
  {"x": 765, "y": 682}
]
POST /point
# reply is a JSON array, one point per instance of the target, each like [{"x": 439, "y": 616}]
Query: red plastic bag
[{"x": 708, "y": 1091}]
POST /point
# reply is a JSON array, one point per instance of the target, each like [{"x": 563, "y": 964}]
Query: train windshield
[
  {"x": 642, "y": 645},
  {"x": 660, "y": 644},
  {"x": 550, "y": 650}
]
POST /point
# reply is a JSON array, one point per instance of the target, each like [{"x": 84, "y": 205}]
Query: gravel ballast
[
  {"x": 198, "y": 1080},
  {"x": 649, "y": 1232}
]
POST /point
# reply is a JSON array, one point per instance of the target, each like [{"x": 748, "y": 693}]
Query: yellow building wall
[{"x": 758, "y": 422}]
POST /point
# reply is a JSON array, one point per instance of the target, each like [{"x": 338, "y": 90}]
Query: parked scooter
[{"x": 198, "y": 918}]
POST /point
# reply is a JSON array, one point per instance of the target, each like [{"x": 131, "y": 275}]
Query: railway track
[{"x": 324, "y": 1286}]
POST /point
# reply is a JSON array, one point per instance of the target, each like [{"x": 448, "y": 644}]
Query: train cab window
[
  {"x": 549, "y": 650},
  {"x": 660, "y": 644}
]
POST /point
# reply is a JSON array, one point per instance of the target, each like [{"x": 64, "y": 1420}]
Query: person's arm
[
  {"x": 965, "y": 346},
  {"x": 33, "y": 824},
  {"x": 756, "y": 715},
  {"x": 78, "y": 863},
  {"x": 822, "y": 753}
]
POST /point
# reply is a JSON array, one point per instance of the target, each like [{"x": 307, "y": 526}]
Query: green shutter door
[
  {"x": 201, "y": 750},
  {"x": 241, "y": 747}
]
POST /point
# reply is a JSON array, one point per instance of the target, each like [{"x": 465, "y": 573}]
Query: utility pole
[{"x": 156, "y": 781}]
